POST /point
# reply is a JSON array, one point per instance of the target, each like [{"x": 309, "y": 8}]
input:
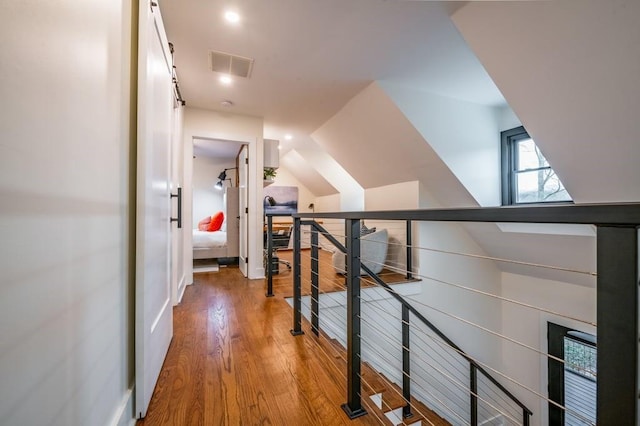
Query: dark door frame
[{"x": 555, "y": 373}]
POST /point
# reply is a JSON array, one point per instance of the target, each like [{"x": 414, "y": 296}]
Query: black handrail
[{"x": 624, "y": 214}]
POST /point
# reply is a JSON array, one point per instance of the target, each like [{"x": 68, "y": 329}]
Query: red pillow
[
  {"x": 216, "y": 222},
  {"x": 204, "y": 223}
]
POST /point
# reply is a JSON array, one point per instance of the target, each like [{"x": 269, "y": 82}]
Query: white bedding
[{"x": 204, "y": 239}]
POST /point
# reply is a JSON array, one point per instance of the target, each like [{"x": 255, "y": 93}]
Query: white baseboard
[
  {"x": 124, "y": 415},
  {"x": 181, "y": 288},
  {"x": 259, "y": 274}
]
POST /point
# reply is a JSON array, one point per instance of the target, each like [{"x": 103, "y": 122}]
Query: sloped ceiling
[
  {"x": 306, "y": 174},
  {"x": 569, "y": 69},
  {"x": 378, "y": 146},
  {"x": 463, "y": 134}
]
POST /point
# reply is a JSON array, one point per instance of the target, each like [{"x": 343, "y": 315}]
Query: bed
[
  {"x": 223, "y": 243},
  {"x": 209, "y": 245}
]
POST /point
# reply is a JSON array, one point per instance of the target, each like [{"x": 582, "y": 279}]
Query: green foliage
[
  {"x": 580, "y": 358},
  {"x": 269, "y": 173}
]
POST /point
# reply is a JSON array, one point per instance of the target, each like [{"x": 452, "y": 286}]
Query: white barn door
[{"x": 154, "y": 315}]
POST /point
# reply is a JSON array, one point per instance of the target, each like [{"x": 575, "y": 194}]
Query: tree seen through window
[{"x": 527, "y": 176}]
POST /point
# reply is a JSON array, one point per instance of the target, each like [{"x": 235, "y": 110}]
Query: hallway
[{"x": 233, "y": 361}]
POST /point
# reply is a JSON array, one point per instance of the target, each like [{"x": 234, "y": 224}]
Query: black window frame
[
  {"x": 556, "y": 334},
  {"x": 508, "y": 140}
]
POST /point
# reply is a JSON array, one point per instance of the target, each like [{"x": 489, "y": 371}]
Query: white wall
[
  {"x": 66, "y": 224},
  {"x": 306, "y": 173},
  {"x": 507, "y": 119},
  {"x": 328, "y": 203},
  {"x": 399, "y": 196},
  {"x": 441, "y": 275},
  {"x": 305, "y": 196},
  {"x": 569, "y": 69},
  {"x": 372, "y": 126},
  {"x": 463, "y": 134},
  {"x": 529, "y": 326},
  {"x": 208, "y": 200},
  {"x": 471, "y": 272},
  {"x": 238, "y": 128},
  {"x": 351, "y": 192}
]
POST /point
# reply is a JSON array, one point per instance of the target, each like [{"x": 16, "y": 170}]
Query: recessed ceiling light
[
  {"x": 232, "y": 16},
  {"x": 288, "y": 137},
  {"x": 226, "y": 104},
  {"x": 225, "y": 79}
]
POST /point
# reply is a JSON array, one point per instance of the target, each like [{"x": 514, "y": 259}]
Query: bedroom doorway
[{"x": 215, "y": 204}]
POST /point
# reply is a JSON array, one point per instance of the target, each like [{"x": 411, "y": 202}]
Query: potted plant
[{"x": 269, "y": 173}]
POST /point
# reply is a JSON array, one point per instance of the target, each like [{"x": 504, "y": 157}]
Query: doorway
[
  {"x": 572, "y": 384},
  {"x": 215, "y": 204}
]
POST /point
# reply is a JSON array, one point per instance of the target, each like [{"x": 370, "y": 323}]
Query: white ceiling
[
  {"x": 312, "y": 56},
  {"x": 216, "y": 148}
]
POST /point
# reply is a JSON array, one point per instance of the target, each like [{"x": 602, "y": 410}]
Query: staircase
[
  {"x": 389, "y": 401},
  {"x": 382, "y": 398}
]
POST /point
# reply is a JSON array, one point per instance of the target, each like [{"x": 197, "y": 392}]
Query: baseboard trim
[
  {"x": 182, "y": 287},
  {"x": 124, "y": 415}
]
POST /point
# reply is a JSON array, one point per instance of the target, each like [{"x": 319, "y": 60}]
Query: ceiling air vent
[{"x": 231, "y": 64}]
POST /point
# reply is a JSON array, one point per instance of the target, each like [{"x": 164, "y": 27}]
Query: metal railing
[{"x": 617, "y": 294}]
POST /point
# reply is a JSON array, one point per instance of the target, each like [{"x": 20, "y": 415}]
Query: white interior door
[
  {"x": 154, "y": 318},
  {"x": 243, "y": 175}
]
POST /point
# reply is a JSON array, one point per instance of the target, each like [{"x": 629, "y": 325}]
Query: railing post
[
  {"x": 353, "y": 407},
  {"x": 409, "y": 255},
  {"x": 617, "y": 318},
  {"x": 315, "y": 293},
  {"x": 269, "y": 256},
  {"x": 406, "y": 363},
  {"x": 297, "y": 280},
  {"x": 526, "y": 417},
  {"x": 473, "y": 394}
]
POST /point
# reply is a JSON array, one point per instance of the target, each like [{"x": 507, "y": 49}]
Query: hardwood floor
[{"x": 232, "y": 361}]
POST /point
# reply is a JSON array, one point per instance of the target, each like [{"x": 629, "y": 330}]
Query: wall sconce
[
  {"x": 222, "y": 177},
  {"x": 312, "y": 207}
]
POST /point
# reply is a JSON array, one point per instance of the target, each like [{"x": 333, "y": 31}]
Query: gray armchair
[{"x": 373, "y": 252}]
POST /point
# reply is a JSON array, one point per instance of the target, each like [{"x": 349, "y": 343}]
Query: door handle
[{"x": 179, "y": 197}]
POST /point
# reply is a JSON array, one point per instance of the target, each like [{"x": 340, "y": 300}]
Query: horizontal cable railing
[{"x": 417, "y": 360}]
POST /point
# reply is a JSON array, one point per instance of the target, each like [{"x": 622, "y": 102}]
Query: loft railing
[
  {"x": 354, "y": 408},
  {"x": 617, "y": 295}
]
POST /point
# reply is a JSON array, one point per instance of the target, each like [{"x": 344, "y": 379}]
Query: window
[
  {"x": 526, "y": 174},
  {"x": 572, "y": 376}
]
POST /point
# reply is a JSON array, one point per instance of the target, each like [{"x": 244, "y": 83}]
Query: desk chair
[{"x": 280, "y": 239}]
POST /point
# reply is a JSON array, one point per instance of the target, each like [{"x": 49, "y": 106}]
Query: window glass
[
  {"x": 529, "y": 156},
  {"x": 580, "y": 358},
  {"x": 527, "y": 176},
  {"x": 539, "y": 186}
]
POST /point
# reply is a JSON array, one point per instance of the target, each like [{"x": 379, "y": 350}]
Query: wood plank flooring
[{"x": 232, "y": 361}]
